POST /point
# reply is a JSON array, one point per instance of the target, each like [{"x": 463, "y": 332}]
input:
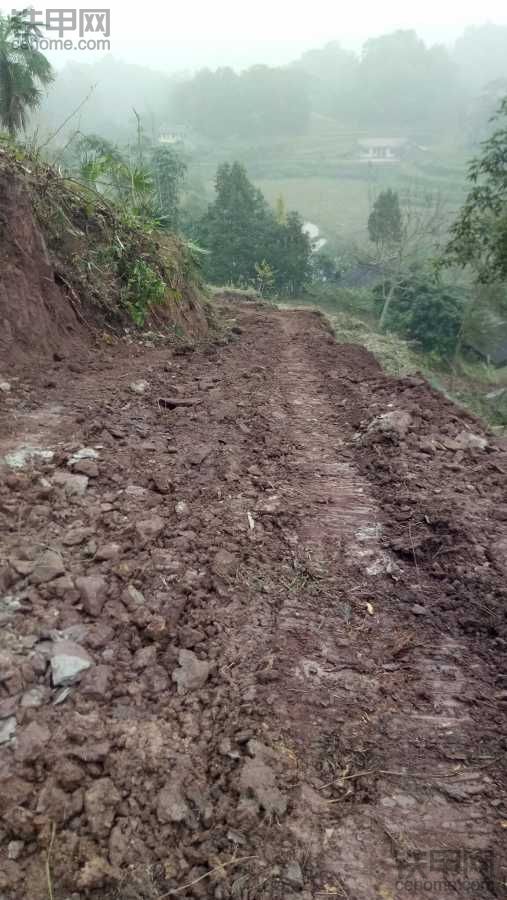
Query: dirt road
[{"x": 252, "y": 646}]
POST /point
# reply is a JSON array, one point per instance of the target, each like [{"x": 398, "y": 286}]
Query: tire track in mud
[{"x": 273, "y": 570}]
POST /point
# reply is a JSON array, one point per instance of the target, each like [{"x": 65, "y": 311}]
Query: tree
[
  {"x": 24, "y": 71},
  {"x": 384, "y": 223},
  {"x": 479, "y": 234},
  {"x": 403, "y": 238},
  {"x": 235, "y": 228},
  {"x": 245, "y": 241},
  {"x": 168, "y": 173}
]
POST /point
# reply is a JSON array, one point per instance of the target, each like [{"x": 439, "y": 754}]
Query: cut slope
[{"x": 72, "y": 265}]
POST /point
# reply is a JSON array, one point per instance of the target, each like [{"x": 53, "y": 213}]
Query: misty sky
[{"x": 182, "y": 36}]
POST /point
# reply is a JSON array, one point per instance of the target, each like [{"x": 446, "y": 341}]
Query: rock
[
  {"x": 5, "y": 387},
  {"x": 15, "y": 849},
  {"x": 7, "y": 729},
  {"x": 224, "y": 563},
  {"x": 149, "y": 529},
  {"x": 192, "y": 674},
  {"x": 31, "y": 741},
  {"x": 497, "y": 553},
  {"x": 93, "y": 591},
  {"x": 396, "y": 422},
  {"x": 101, "y": 801},
  {"x": 84, "y": 453},
  {"x": 162, "y": 483},
  {"x": 86, "y": 467},
  {"x": 67, "y": 662},
  {"x": 96, "y": 682},
  {"x": 419, "y": 610},
  {"x": 77, "y": 536},
  {"x": 23, "y": 567},
  {"x": 293, "y": 875},
  {"x": 172, "y": 806},
  {"x": 466, "y": 440},
  {"x": 132, "y": 598},
  {"x": 48, "y": 567},
  {"x": 182, "y": 508},
  {"x": 107, "y": 552},
  {"x": 73, "y": 485},
  {"x": 62, "y": 586},
  {"x": 139, "y": 387}
]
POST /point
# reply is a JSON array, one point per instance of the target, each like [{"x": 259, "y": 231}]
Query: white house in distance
[{"x": 381, "y": 150}]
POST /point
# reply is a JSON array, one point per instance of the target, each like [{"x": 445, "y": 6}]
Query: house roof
[{"x": 382, "y": 142}]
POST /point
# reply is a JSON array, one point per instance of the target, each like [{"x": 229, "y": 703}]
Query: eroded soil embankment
[{"x": 288, "y": 620}]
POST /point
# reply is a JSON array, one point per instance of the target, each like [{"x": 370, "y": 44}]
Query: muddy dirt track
[{"x": 252, "y": 646}]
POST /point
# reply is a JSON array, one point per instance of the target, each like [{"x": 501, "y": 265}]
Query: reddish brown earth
[{"x": 295, "y": 635}]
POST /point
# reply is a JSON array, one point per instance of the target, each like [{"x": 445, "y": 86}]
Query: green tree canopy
[
  {"x": 243, "y": 237},
  {"x": 24, "y": 71},
  {"x": 479, "y": 235},
  {"x": 385, "y": 222}
]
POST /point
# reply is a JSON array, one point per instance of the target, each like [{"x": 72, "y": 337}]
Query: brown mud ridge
[{"x": 251, "y": 646}]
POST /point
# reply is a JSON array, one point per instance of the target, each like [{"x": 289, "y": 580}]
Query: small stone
[
  {"x": 162, "y": 483},
  {"x": 419, "y": 610},
  {"x": 146, "y": 656},
  {"x": 15, "y": 849},
  {"x": 293, "y": 875},
  {"x": 172, "y": 806},
  {"x": 197, "y": 456},
  {"x": 73, "y": 485},
  {"x": 189, "y": 637},
  {"x": 396, "y": 422},
  {"x": 107, "y": 552},
  {"x": 67, "y": 662},
  {"x": 192, "y": 674},
  {"x": 132, "y": 597},
  {"x": 5, "y": 387},
  {"x": 86, "y": 467},
  {"x": 7, "y": 729},
  {"x": 48, "y": 566},
  {"x": 149, "y": 529},
  {"x": 84, "y": 453},
  {"x": 23, "y": 567},
  {"x": 139, "y": 387},
  {"x": 96, "y": 682},
  {"x": 77, "y": 536},
  {"x": 182, "y": 508},
  {"x": 469, "y": 441},
  {"x": 93, "y": 591}
]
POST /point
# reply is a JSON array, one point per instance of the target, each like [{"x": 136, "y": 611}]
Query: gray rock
[
  {"x": 469, "y": 441},
  {"x": 293, "y": 875},
  {"x": 7, "y": 729},
  {"x": 84, "y": 453},
  {"x": 139, "y": 387},
  {"x": 86, "y": 467},
  {"x": 149, "y": 529},
  {"x": 192, "y": 674},
  {"x": 419, "y": 610},
  {"x": 182, "y": 508},
  {"x": 93, "y": 591},
  {"x": 48, "y": 567},
  {"x": 96, "y": 681},
  {"x": 107, "y": 552},
  {"x": 5, "y": 387},
  {"x": 67, "y": 662},
  {"x": 73, "y": 485},
  {"x": 77, "y": 536},
  {"x": 396, "y": 422},
  {"x": 172, "y": 806},
  {"x": 15, "y": 849}
]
